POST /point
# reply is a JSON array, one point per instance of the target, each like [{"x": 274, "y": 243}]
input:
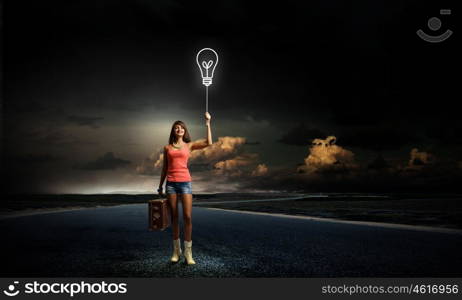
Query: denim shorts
[{"x": 178, "y": 187}]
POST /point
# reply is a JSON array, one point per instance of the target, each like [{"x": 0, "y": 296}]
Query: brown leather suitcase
[{"x": 159, "y": 214}]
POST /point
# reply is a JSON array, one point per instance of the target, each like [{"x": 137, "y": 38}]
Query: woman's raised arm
[{"x": 208, "y": 141}]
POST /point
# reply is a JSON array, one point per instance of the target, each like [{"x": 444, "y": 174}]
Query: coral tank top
[{"x": 177, "y": 170}]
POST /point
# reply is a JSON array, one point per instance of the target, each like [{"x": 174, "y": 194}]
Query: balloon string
[{"x": 206, "y": 98}]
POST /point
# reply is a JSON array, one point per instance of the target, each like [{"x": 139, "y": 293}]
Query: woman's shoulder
[{"x": 166, "y": 147}]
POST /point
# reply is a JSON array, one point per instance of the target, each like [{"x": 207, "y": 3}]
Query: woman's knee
[
  {"x": 187, "y": 218},
  {"x": 174, "y": 215}
]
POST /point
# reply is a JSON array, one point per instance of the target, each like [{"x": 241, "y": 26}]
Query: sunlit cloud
[
  {"x": 235, "y": 166},
  {"x": 260, "y": 170},
  {"x": 222, "y": 149},
  {"x": 326, "y": 155},
  {"x": 418, "y": 159}
]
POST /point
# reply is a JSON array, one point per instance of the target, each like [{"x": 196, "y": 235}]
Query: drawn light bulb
[{"x": 207, "y": 60}]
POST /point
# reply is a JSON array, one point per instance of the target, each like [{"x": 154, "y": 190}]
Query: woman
[{"x": 175, "y": 168}]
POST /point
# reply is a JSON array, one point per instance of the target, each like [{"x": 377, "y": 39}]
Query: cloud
[
  {"x": 325, "y": 155},
  {"x": 328, "y": 167},
  {"x": 235, "y": 166},
  {"x": 260, "y": 170},
  {"x": 224, "y": 148},
  {"x": 419, "y": 159},
  {"x": 301, "y": 136},
  {"x": 85, "y": 121},
  {"x": 106, "y": 162},
  {"x": 332, "y": 168}
]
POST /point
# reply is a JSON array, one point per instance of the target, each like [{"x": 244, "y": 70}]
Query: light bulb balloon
[{"x": 207, "y": 60}]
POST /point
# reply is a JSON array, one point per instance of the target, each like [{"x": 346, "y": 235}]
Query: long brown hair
[{"x": 186, "y": 136}]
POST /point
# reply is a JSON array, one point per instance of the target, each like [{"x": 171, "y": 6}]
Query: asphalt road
[{"x": 115, "y": 242}]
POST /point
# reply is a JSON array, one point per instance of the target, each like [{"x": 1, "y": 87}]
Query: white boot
[
  {"x": 176, "y": 251},
  {"x": 188, "y": 253}
]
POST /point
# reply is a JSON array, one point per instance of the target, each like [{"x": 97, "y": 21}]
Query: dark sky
[{"x": 91, "y": 89}]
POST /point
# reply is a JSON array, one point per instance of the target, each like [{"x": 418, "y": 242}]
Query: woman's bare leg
[
  {"x": 187, "y": 219},
  {"x": 172, "y": 200}
]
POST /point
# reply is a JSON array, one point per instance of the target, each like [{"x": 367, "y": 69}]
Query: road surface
[{"x": 115, "y": 242}]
